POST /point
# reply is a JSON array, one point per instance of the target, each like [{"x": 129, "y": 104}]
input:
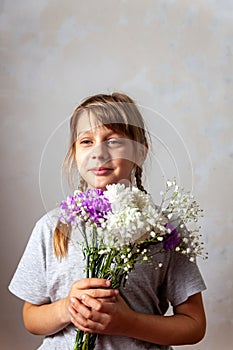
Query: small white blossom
[
  {"x": 169, "y": 216},
  {"x": 169, "y": 184}
]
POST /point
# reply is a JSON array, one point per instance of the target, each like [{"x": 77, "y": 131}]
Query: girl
[{"x": 108, "y": 145}]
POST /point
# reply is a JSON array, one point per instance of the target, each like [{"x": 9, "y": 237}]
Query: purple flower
[
  {"x": 90, "y": 206},
  {"x": 96, "y": 205},
  {"x": 68, "y": 210},
  {"x": 171, "y": 239}
]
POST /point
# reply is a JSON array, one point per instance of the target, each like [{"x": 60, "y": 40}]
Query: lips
[{"x": 101, "y": 171}]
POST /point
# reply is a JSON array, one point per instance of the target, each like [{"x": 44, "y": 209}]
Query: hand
[
  {"x": 103, "y": 316},
  {"x": 96, "y": 289}
]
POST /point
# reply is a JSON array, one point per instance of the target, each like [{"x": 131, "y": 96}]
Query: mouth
[{"x": 99, "y": 171}]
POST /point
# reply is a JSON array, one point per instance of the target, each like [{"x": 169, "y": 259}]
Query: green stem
[
  {"x": 106, "y": 263},
  {"x": 87, "y": 265},
  {"x": 85, "y": 341}
]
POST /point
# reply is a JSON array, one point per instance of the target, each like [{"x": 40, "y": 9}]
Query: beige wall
[{"x": 172, "y": 56}]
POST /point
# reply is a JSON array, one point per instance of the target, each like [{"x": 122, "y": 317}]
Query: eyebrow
[
  {"x": 90, "y": 132},
  {"x": 84, "y": 133}
]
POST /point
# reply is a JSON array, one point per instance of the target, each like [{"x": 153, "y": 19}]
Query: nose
[{"x": 100, "y": 151}]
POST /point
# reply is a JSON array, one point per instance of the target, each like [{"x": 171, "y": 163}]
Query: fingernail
[
  {"x": 73, "y": 300},
  {"x": 108, "y": 283}
]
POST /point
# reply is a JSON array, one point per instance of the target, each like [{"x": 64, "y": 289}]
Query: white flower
[
  {"x": 169, "y": 216},
  {"x": 169, "y": 184},
  {"x": 133, "y": 214},
  {"x": 152, "y": 234}
]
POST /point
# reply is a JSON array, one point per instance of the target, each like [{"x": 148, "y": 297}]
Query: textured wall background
[{"x": 173, "y": 56}]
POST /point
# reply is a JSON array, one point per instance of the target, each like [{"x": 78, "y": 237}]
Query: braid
[
  {"x": 61, "y": 238},
  {"x": 138, "y": 177},
  {"x": 82, "y": 185}
]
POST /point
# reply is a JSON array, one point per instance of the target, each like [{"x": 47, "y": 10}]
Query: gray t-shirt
[{"x": 42, "y": 278}]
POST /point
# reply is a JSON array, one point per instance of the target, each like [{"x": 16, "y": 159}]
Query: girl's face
[{"x": 103, "y": 156}]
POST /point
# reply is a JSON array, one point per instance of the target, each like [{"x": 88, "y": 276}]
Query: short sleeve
[
  {"x": 29, "y": 281},
  {"x": 183, "y": 279}
]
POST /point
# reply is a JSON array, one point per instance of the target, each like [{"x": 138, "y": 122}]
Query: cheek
[
  {"x": 127, "y": 160},
  {"x": 80, "y": 161},
  {"x": 124, "y": 157},
  {"x": 131, "y": 153}
]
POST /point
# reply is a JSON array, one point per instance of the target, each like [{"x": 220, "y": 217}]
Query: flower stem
[{"x": 84, "y": 341}]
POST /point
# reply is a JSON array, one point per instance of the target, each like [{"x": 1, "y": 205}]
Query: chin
[{"x": 100, "y": 185}]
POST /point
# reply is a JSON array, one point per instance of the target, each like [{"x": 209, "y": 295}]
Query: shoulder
[
  {"x": 44, "y": 228},
  {"x": 48, "y": 220},
  {"x": 30, "y": 279}
]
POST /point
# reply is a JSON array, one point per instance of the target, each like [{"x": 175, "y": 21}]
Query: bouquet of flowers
[{"x": 118, "y": 226}]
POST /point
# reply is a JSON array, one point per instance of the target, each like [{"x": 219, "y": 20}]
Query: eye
[
  {"x": 85, "y": 142},
  {"x": 114, "y": 142}
]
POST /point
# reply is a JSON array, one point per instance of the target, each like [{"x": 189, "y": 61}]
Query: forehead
[{"x": 88, "y": 121}]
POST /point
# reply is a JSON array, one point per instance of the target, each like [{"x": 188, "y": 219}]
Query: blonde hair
[{"x": 117, "y": 112}]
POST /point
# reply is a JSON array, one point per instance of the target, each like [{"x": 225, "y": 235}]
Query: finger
[
  {"x": 108, "y": 300},
  {"x": 86, "y": 325},
  {"x": 78, "y": 307},
  {"x": 102, "y": 293},
  {"x": 88, "y": 321},
  {"x": 87, "y": 283},
  {"x": 95, "y": 325},
  {"x": 91, "y": 302},
  {"x": 78, "y": 320},
  {"x": 98, "y": 304}
]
